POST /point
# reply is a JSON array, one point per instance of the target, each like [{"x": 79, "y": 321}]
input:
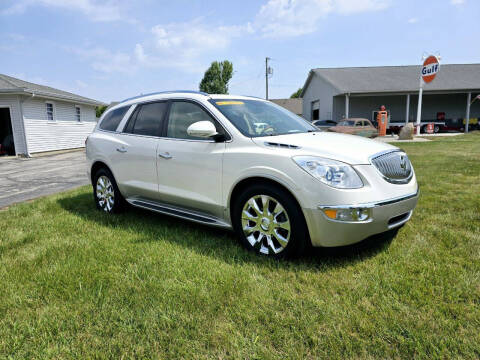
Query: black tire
[
  {"x": 298, "y": 235},
  {"x": 436, "y": 129},
  {"x": 118, "y": 200}
]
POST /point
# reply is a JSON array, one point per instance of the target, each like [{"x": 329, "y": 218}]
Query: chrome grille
[{"x": 394, "y": 166}]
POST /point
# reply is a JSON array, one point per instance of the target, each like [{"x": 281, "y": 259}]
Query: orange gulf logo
[{"x": 430, "y": 68}]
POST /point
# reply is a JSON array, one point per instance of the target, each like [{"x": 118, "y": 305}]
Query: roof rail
[{"x": 166, "y": 92}]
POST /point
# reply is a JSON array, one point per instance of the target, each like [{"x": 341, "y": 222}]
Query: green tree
[
  {"x": 99, "y": 110},
  {"x": 216, "y": 78},
  {"x": 297, "y": 94}
]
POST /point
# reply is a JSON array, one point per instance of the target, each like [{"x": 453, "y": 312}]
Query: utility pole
[{"x": 268, "y": 71}]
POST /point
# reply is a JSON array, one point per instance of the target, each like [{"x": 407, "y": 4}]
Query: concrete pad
[
  {"x": 23, "y": 179},
  {"x": 394, "y": 139}
]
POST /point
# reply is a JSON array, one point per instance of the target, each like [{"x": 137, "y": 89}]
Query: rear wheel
[
  {"x": 436, "y": 129},
  {"x": 105, "y": 192},
  {"x": 269, "y": 221}
]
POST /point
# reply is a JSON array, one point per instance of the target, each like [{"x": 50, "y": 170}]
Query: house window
[
  {"x": 78, "y": 113},
  {"x": 49, "y": 109}
]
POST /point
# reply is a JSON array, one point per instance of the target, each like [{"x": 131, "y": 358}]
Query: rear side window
[
  {"x": 147, "y": 119},
  {"x": 112, "y": 119}
]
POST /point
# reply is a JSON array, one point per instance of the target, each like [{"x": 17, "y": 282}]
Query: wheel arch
[
  {"x": 255, "y": 180},
  {"x": 97, "y": 165}
]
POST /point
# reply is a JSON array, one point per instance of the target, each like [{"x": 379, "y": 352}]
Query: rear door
[
  {"x": 189, "y": 168},
  {"x": 135, "y": 158}
]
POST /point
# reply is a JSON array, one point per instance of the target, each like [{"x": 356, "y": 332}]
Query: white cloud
[
  {"x": 191, "y": 45},
  {"x": 81, "y": 84},
  {"x": 184, "y": 45},
  {"x": 106, "y": 61},
  {"x": 286, "y": 18},
  {"x": 96, "y": 10},
  {"x": 457, "y": 2},
  {"x": 413, "y": 20}
]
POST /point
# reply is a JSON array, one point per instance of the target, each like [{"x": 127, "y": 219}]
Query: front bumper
[{"x": 384, "y": 215}]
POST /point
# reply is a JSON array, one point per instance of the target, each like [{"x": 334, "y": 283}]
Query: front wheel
[{"x": 268, "y": 220}]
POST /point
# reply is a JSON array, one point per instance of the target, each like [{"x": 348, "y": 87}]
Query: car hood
[{"x": 354, "y": 150}]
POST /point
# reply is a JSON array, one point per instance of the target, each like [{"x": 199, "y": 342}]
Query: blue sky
[{"x": 113, "y": 49}]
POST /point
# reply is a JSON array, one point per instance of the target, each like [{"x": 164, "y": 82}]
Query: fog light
[{"x": 348, "y": 214}]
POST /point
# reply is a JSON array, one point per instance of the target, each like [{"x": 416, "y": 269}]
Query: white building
[{"x": 36, "y": 118}]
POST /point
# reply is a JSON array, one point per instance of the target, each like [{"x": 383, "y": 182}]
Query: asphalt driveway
[{"x": 24, "y": 179}]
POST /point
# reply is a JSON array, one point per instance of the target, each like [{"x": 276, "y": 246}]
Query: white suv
[{"x": 245, "y": 163}]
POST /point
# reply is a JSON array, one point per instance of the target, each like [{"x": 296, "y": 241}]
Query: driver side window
[{"x": 182, "y": 115}]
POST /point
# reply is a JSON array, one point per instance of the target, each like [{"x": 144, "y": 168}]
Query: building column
[
  {"x": 407, "y": 110},
  {"x": 347, "y": 106},
  {"x": 467, "y": 115}
]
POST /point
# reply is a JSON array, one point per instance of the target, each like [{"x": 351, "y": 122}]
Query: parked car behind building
[
  {"x": 324, "y": 124},
  {"x": 361, "y": 127}
]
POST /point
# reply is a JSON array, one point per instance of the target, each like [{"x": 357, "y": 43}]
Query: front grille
[{"x": 394, "y": 166}]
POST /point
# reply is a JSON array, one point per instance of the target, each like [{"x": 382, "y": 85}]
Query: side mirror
[{"x": 203, "y": 129}]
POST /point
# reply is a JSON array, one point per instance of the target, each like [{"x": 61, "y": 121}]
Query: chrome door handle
[
  {"x": 121, "y": 150},
  {"x": 165, "y": 155}
]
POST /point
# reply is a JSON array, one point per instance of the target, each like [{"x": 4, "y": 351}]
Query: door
[
  {"x": 135, "y": 159},
  {"x": 190, "y": 169},
  {"x": 7, "y": 145}
]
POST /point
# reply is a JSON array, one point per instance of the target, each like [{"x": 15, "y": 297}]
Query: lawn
[{"x": 77, "y": 283}]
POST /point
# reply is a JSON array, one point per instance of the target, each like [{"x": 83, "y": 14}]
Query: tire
[
  {"x": 436, "y": 129},
  {"x": 266, "y": 232},
  {"x": 106, "y": 194}
]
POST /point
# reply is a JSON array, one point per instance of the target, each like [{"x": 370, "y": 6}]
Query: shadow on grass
[{"x": 221, "y": 244}]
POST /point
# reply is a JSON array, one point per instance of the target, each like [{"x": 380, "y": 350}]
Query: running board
[{"x": 180, "y": 213}]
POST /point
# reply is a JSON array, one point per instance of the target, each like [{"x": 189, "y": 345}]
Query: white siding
[
  {"x": 63, "y": 133},
  {"x": 43, "y": 135},
  {"x": 12, "y": 102}
]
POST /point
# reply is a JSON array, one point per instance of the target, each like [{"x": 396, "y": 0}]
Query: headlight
[{"x": 330, "y": 172}]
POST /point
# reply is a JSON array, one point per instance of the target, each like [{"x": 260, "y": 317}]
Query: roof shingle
[
  {"x": 9, "y": 83},
  {"x": 400, "y": 78}
]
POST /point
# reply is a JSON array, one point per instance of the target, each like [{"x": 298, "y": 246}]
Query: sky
[{"x": 110, "y": 50}]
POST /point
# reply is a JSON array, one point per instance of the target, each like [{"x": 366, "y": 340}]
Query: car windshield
[
  {"x": 255, "y": 118},
  {"x": 346, "y": 123}
]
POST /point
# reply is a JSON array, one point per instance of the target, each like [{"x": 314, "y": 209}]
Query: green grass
[{"x": 77, "y": 283}]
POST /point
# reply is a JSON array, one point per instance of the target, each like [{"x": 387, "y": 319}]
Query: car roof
[{"x": 180, "y": 94}]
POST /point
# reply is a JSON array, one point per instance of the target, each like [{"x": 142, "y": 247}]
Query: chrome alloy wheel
[
  {"x": 105, "y": 193},
  {"x": 265, "y": 224}
]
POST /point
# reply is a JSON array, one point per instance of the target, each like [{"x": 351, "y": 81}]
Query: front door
[
  {"x": 135, "y": 160},
  {"x": 190, "y": 169}
]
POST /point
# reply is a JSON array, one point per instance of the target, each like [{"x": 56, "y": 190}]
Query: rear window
[
  {"x": 112, "y": 119},
  {"x": 147, "y": 119},
  {"x": 346, "y": 123}
]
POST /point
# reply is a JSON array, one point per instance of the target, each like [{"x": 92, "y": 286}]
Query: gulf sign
[{"x": 430, "y": 68}]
